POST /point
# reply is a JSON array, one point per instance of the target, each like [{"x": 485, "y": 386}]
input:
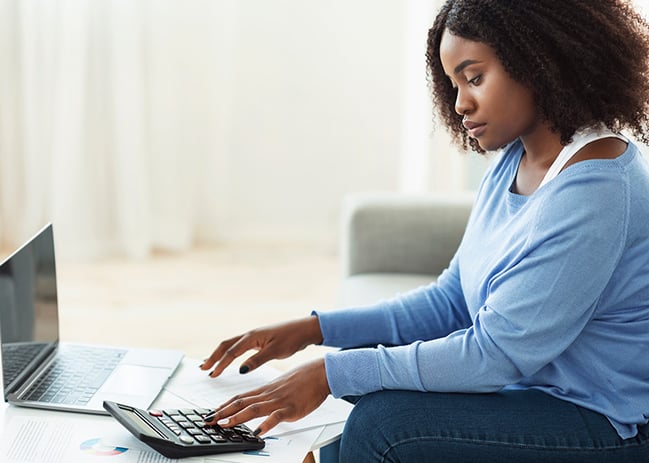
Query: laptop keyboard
[
  {"x": 75, "y": 375},
  {"x": 16, "y": 356}
]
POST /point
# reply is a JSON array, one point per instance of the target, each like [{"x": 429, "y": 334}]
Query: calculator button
[
  {"x": 203, "y": 439},
  {"x": 194, "y": 418},
  {"x": 186, "y": 424},
  {"x": 186, "y": 439},
  {"x": 219, "y": 439},
  {"x": 194, "y": 431},
  {"x": 234, "y": 437},
  {"x": 187, "y": 411},
  {"x": 157, "y": 413}
]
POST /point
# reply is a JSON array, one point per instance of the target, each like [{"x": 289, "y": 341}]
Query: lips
[{"x": 475, "y": 129}]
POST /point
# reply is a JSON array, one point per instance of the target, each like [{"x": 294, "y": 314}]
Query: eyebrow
[{"x": 463, "y": 65}]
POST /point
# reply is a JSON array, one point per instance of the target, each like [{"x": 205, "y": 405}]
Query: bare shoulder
[{"x": 604, "y": 148}]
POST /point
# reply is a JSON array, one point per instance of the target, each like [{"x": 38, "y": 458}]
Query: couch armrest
[{"x": 400, "y": 233}]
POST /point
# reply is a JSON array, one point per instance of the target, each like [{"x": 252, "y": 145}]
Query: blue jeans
[{"x": 510, "y": 426}]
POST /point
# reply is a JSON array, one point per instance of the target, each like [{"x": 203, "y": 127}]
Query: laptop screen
[{"x": 29, "y": 326}]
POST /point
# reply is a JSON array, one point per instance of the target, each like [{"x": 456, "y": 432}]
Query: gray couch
[{"x": 392, "y": 242}]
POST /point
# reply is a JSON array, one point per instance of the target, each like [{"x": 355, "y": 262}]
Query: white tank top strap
[{"x": 580, "y": 139}]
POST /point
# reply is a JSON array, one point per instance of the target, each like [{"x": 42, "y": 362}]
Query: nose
[{"x": 464, "y": 104}]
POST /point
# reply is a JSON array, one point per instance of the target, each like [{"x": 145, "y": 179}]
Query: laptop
[{"x": 41, "y": 372}]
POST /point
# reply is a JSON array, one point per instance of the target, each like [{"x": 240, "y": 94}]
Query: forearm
[
  {"x": 425, "y": 313},
  {"x": 461, "y": 362},
  {"x": 428, "y": 312}
]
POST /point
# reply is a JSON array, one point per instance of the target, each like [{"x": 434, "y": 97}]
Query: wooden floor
[{"x": 191, "y": 301}]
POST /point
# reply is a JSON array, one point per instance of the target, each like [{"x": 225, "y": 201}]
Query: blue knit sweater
[{"x": 547, "y": 291}]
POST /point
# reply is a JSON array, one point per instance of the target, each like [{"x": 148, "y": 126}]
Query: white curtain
[
  {"x": 104, "y": 128},
  {"x": 143, "y": 124}
]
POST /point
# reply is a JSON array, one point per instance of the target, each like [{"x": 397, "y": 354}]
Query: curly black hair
[{"x": 586, "y": 61}]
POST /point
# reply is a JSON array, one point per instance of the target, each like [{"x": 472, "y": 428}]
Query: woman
[{"x": 533, "y": 345}]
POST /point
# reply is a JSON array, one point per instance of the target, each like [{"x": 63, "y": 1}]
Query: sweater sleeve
[
  {"x": 427, "y": 312},
  {"x": 532, "y": 311}
]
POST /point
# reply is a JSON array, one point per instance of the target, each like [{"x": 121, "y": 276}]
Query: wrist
[
  {"x": 316, "y": 373},
  {"x": 313, "y": 327},
  {"x": 323, "y": 381}
]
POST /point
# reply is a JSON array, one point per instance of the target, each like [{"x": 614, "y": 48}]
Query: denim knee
[{"x": 362, "y": 438}]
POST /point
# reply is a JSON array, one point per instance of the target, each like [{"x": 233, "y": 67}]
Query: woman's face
[{"x": 496, "y": 108}]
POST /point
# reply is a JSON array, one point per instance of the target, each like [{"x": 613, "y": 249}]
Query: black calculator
[{"x": 178, "y": 433}]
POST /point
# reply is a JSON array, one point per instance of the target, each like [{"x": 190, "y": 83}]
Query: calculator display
[{"x": 137, "y": 420}]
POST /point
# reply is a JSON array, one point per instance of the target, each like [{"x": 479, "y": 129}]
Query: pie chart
[{"x": 95, "y": 447}]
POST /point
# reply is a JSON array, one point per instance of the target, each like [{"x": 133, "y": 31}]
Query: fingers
[
  {"x": 273, "y": 420},
  {"x": 243, "y": 409},
  {"x": 287, "y": 398},
  {"x": 274, "y": 342},
  {"x": 226, "y": 353},
  {"x": 238, "y": 409},
  {"x": 255, "y": 361},
  {"x": 218, "y": 353},
  {"x": 230, "y": 349}
]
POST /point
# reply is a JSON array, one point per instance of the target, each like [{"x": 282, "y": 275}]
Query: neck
[{"x": 542, "y": 146}]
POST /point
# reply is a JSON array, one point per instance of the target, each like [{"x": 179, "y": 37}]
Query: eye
[{"x": 476, "y": 80}]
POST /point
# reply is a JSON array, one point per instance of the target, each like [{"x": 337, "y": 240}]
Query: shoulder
[
  {"x": 595, "y": 196},
  {"x": 604, "y": 148}
]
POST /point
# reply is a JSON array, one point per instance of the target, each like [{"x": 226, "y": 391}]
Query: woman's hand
[
  {"x": 288, "y": 398},
  {"x": 275, "y": 342}
]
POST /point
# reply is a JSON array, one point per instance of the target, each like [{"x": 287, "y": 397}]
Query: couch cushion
[{"x": 367, "y": 288}]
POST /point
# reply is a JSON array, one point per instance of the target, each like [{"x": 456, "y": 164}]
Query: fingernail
[
  {"x": 256, "y": 432},
  {"x": 209, "y": 417},
  {"x": 201, "y": 365},
  {"x": 223, "y": 422},
  {"x": 244, "y": 369}
]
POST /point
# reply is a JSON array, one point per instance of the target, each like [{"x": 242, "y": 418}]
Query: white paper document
[
  {"x": 54, "y": 437},
  {"x": 44, "y": 437},
  {"x": 195, "y": 386}
]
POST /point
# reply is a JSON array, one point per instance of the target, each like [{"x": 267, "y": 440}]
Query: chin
[
  {"x": 493, "y": 145},
  {"x": 489, "y": 146}
]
